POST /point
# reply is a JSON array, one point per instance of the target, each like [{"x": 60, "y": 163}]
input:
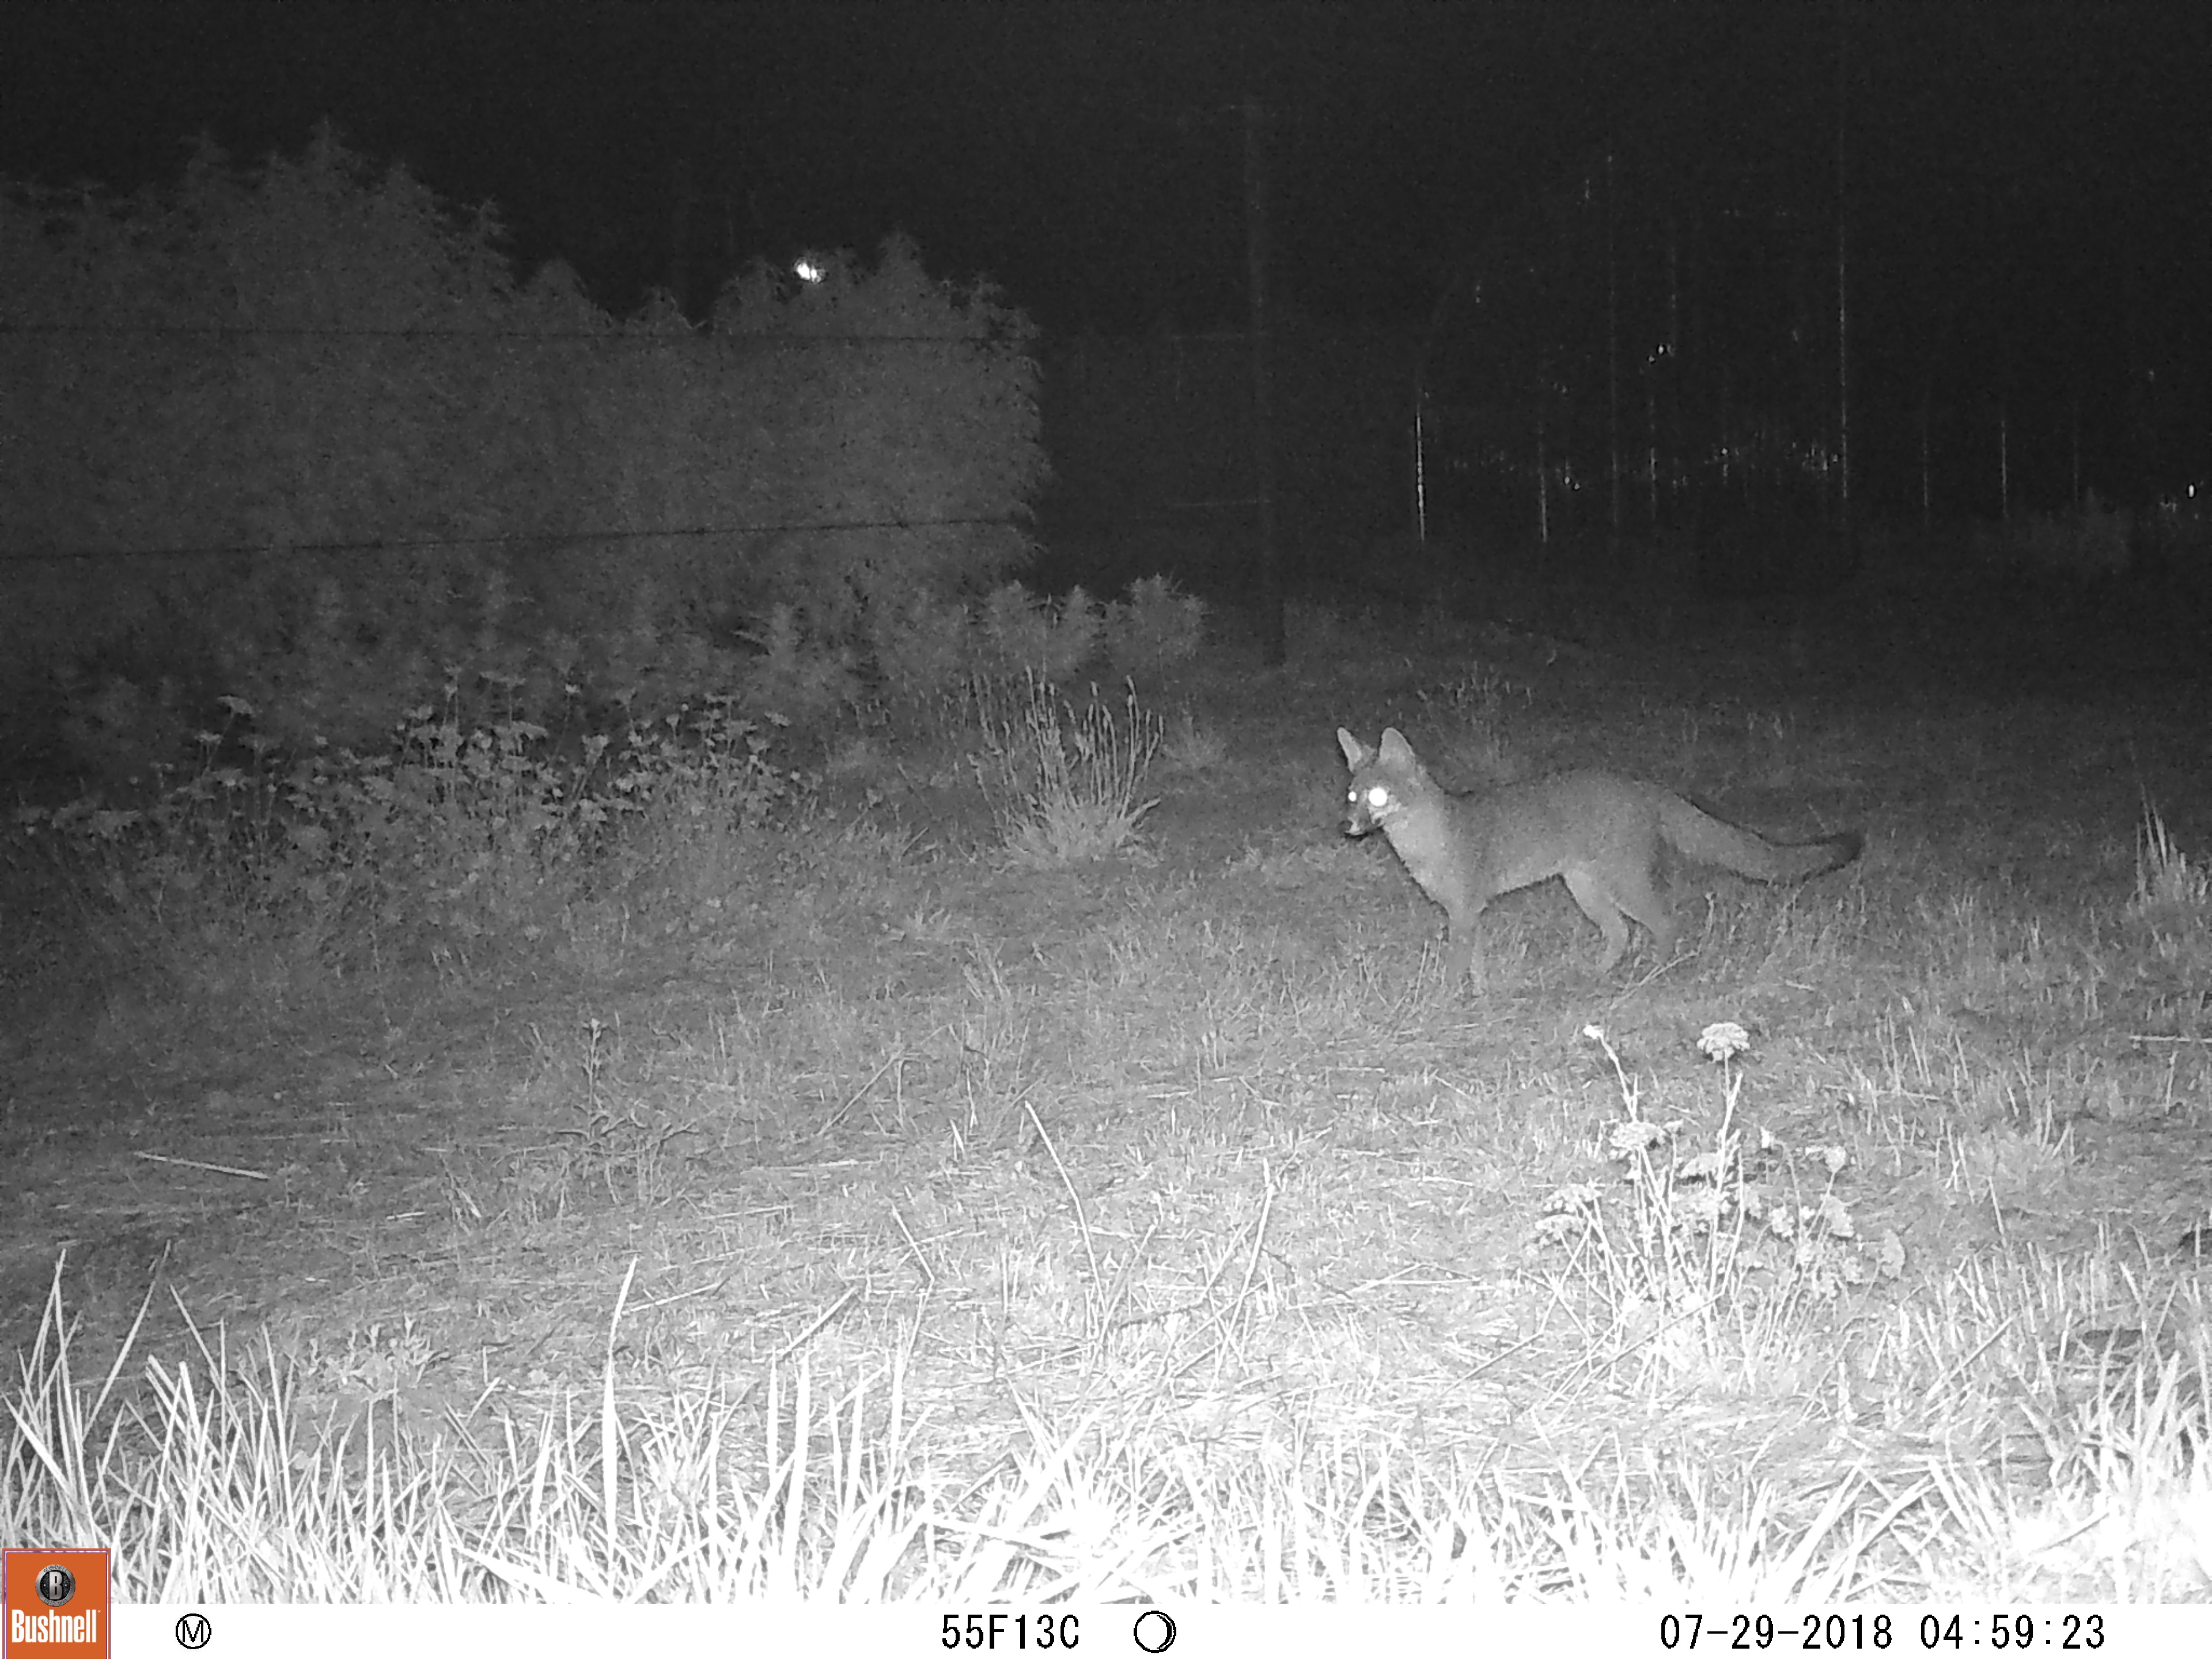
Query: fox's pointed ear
[
  {"x": 1355, "y": 755},
  {"x": 1395, "y": 748}
]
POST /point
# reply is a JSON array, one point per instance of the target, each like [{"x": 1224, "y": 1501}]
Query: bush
[
  {"x": 1022, "y": 634},
  {"x": 924, "y": 647},
  {"x": 379, "y": 456},
  {"x": 1154, "y": 628},
  {"x": 904, "y": 446},
  {"x": 257, "y": 881},
  {"x": 794, "y": 677},
  {"x": 2091, "y": 540}
]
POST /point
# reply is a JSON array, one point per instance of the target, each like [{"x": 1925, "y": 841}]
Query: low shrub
[
  {"x": 1155, "y": 628},
  {"x": 265, "y": 878}
]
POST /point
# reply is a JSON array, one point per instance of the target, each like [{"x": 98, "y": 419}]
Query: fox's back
[{"x": 1523, "y": 833}]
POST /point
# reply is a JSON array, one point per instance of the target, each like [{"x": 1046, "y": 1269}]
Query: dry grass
[{"x": 1065, "y": 781}]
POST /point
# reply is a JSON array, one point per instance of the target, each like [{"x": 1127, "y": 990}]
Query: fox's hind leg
[
  {"x": 1645, "y": 899},
  {"x": 1597, "y": 903},
  {"x": 1610, "y": 903}
]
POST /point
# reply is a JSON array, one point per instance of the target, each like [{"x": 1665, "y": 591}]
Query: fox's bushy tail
[{"x": 1698, "y": 835}]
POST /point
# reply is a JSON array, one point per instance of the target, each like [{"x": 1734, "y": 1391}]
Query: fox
[{"x": 1599, "y": 831}]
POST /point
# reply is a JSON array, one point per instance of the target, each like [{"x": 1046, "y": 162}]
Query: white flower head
[{"x": 1723, "y": 1040}]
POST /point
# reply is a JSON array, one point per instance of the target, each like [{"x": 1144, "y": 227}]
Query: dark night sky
[{"x": 2039, "y": 174}]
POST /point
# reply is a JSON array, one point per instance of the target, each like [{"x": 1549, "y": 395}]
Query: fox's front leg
[{"x": 1463, "y": 954}]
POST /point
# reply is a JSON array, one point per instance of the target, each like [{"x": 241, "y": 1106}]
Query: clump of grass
[
  {"x": 1065, "y": 781},
  {"x": 1471, "y": 711},
  {"x": 1189, "y": 747},
  {"x": 2170, "y": 908},
  {"x": 2166, "y": 879}
]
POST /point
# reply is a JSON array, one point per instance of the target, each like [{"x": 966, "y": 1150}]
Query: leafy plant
[
  {"x": 1698, "y": 1225},
  {"x": 1191, "y": 747},
  {"x": 799, "y": 678},
  {"x": 259, "y": 880}
]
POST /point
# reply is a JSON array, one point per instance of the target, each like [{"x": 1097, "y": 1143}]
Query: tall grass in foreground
[{"x": 207, "y": 1483}]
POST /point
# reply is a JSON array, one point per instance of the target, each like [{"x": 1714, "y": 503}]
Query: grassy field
[{"x": 851, "y": 1190}]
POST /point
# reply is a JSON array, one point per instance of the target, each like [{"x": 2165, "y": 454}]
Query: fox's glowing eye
[{"x": 1377, "y": 798}]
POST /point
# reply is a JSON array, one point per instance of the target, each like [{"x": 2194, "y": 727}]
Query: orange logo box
[{"x": 55, "y": 1604}]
